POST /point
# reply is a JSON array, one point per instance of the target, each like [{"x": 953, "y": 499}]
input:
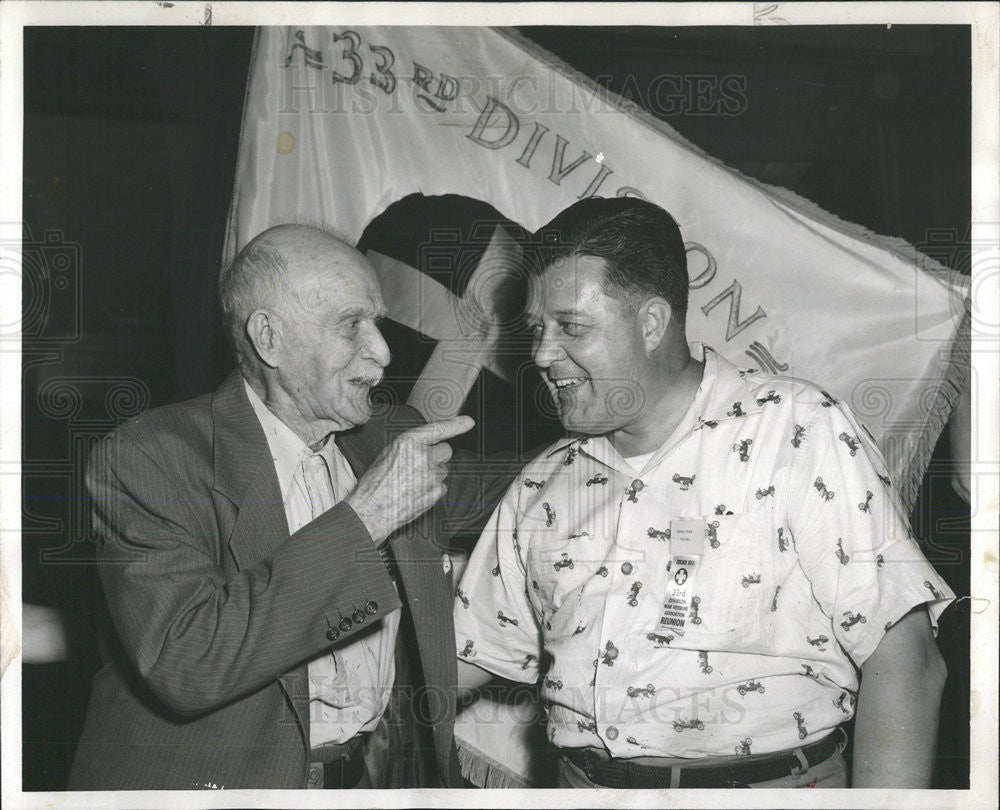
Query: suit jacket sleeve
[{"x": 200, "y": 635}]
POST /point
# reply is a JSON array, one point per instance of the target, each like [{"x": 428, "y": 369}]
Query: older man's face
[{"x": 332, "y": 350}]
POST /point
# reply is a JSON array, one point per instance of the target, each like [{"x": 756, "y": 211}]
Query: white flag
[{"x": 340, "y": 123}]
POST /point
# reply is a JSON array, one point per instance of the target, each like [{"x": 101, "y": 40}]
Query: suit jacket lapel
[{"x": 251, "y": 512}]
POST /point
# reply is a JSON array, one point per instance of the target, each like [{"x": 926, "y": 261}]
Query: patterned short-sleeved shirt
[{"x": 807, "y": 561}]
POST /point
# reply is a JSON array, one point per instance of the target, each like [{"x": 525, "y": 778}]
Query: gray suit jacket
[{"x": 217, "y": 609}]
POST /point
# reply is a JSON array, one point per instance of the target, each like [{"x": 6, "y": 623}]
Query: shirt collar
[
  {"x": 724, "y": 393},
  {"x": 287, "y": 448}
]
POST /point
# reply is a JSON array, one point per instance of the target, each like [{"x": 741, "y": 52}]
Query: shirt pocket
[{"x": 733, "y": 586}]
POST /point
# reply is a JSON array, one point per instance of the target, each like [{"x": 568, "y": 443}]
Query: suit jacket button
[
  {"x": 345, "y": 624},
  {"x": 371, "y": 608},
  {"x": 358, "y": 617},
  {"x": 332, "y": 634}
]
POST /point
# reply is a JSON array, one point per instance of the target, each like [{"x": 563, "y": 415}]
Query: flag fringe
[
  {"x": 944, "y": 396},
  {"x": 485, "y": 772}
]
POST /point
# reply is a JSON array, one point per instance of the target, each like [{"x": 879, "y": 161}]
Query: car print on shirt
[
  {"x": 658, "y": 534},
  {"x": 818, "y": 642},
  {"x": 609, "y": 654},
  {"x": 750, "y": 686},
  {"x": 852, "y": 619},
  {"x": 851, "y": 442},
  {"x": 774, "y": 600},
  {"x": 695, "y": 604},
  {"x": 711, "y": 424},
  {"x": 840, "y": 702},
  {"x": 743, "y": 747},
  {"x": 550, "y": 516},
  {"x": 865, "y": 505},
  {"x": 602, "y": 571},
  {"x": 879, "y": 560},
  {"x": 586, "y": 725},
  {"x": 658, "y": 640},
  {"x": 641, "y": 691},
  {"x": 528, "y": 659},
  {"x": 681, "y": 725},
  {"x": 770, "y": 397},
  {"x": 712, "y": 533},
  {"x": 578, "y": 535},
  {"x": 597, "y": 480},
  {"x": 884, "y": 479},
  {"x": 763, "y": 493},
  {"x": 798, "y": 435},
  {"x": 633, "y": 594},
  {"x": 633, "y": 741},
  {"x": 684, "y": 481},
  {"x": 743, "y": 448},
  {"x": 751, "y": 579},
  {"x": 495, "y": 570},
  {"x": 782, "y": 540},
  {"x": 828, "y": 401},
  {"x": 737, "y": 410},
  {"x": 801, "y": 723},
  {"x": 632, "y": 492},
  {"x": 565, "y": 562},
  {"x": 462, "y": 597},
  {"x": 570, "y": 456},
  {"x": 934, "y": 591},
  {"x": 533, "y": 484},
  {"x": 706, "y": 668},
  {"x": 841, "y": 555},
  {"x": 467, "y": 650},
  {"x": 721, "y": 510},
  {"x": 824, "y": 493},
  {"x": 809, "y": 672},
  {"x": 553, "y": 683},
  {"x": 505, "y": 620},
  {"x": 579, "y": 629}
]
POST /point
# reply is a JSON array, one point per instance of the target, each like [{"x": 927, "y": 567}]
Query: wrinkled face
[
  {"x": 588, "y": 346},
  {"x": 332, "y": 352}
]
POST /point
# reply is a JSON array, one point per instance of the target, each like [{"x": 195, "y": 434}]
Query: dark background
[{"x": 130, "y": 143}]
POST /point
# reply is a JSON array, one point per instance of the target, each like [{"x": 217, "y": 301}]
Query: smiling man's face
[{"x": 589, "y": 347}]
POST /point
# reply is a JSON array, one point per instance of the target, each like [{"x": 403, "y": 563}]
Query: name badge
[
  {"x": 678, "y": 600},
  {"x": 687, "y": 537}
]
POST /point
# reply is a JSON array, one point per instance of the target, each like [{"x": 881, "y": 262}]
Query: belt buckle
[{"x": 801, "y": 765}]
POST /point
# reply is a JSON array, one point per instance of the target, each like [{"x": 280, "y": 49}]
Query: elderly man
[
  {"x": 245, "y": 549},
  {"x": 701, "y": 567}
]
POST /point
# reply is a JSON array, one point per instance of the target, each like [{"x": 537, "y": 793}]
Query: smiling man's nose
[{"x": 547, "y": 351}]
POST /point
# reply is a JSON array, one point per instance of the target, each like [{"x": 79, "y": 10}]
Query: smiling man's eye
[{"x": 571, "y": 329}]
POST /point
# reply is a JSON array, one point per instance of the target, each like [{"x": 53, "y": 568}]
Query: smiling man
[
  {"x": 245, "y": 551},
  {"x": 702, "y": 567}
]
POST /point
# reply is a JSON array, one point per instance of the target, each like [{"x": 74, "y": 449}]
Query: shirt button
[
  {"x": 626, "y": 568},
  {"x": 612, "y": 733},
  {"x": 345, "y": 624},
  {"x": 637, "y": 484},
  {"x": 332, "y": 634}
]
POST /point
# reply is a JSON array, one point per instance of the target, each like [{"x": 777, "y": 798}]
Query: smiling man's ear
[
  {"x": 264, "y": 335},
  {"x": 655, "y": 317}
]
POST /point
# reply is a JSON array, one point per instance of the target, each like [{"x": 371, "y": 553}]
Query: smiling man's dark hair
[{"x": 639, "y": 242}]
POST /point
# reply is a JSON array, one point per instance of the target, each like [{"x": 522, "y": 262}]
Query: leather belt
[
  {"x": 623, "y": 773},
  {"x": 338, "y": 766}
]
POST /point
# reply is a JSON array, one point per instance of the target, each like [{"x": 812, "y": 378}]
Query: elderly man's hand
[{"x": 407, "y": 478}]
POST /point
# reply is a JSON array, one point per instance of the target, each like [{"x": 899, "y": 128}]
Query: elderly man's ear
[{"x": 264, "y": 334}]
